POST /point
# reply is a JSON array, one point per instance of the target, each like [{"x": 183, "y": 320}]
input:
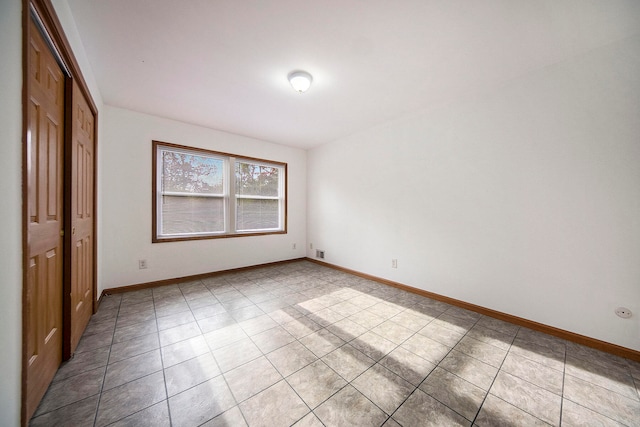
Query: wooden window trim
[{"x": 154, "y": 195}]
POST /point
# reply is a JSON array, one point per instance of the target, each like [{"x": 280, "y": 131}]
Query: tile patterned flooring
[{"x": 305, "y": 345}]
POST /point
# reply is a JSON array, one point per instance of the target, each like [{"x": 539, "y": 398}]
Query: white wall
[
  {"x": 524, "y": 200},
  {"x": 11, "y": 210},
  {"x": 125, "y": 216}
]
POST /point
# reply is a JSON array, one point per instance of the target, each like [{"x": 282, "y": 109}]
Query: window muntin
[{"x": 205, "y": 194}]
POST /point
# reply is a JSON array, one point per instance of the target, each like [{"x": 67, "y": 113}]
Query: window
[{"x": 199, "y": 194}]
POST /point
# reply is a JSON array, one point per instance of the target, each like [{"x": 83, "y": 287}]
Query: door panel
[
  {"x": 43, "y": 299},
  {"x": 82, "y": 218}
]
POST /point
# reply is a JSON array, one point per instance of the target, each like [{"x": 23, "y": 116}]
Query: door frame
[{"x": 47, "y": 20}]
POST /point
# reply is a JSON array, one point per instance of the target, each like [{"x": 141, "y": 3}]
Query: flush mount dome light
[{"x": 300, "y": 80}]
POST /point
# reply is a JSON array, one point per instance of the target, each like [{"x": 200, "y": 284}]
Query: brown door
[
  {"x": 44, "y": 222},
  {"x": 81, "y": 162}
]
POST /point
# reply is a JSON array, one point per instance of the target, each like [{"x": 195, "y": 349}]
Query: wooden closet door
[
  {"x": 81, "y": 243},
  {"x": 45, "y": 221}
]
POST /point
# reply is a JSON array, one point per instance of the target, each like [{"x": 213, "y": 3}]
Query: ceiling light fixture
[{"x": 300, "y": 80}]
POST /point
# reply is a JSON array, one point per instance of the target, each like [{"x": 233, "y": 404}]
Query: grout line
[
  {"x": 437, "y": 365},
  {"x": 564, "y": 376},
  {"x": 493, "y": 381},
  {"x": 164, "y": 377},
  {"x": 106, "y": 368}
]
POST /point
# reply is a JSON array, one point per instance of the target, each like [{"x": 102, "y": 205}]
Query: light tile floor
[{"x": 302, "y": 344}]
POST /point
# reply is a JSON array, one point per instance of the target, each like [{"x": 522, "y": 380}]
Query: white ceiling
[{"x": 223, "y": 63}]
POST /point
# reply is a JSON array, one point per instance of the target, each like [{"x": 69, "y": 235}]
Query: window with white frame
[{"x": 201, "y": 194}]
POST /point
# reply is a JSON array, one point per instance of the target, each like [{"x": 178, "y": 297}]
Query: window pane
[
  {"x": 201, "y": 193},
  {"x": 256, "y": 180},
  {"x": 182, "y": 215},
  {"x": 187, "y": 173},
  {"x": 252, "y": 214}
]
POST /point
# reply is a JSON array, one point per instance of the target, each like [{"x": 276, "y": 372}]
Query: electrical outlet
[
  {"x": 623, "y": 312},
  {"x": 142, "y": 264},
  {"x": 394, "y": 263},
  {"x": 310, "y": 245},
  {"x": 293, "y": 246},
  {"x": 319, "y": 254}
]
